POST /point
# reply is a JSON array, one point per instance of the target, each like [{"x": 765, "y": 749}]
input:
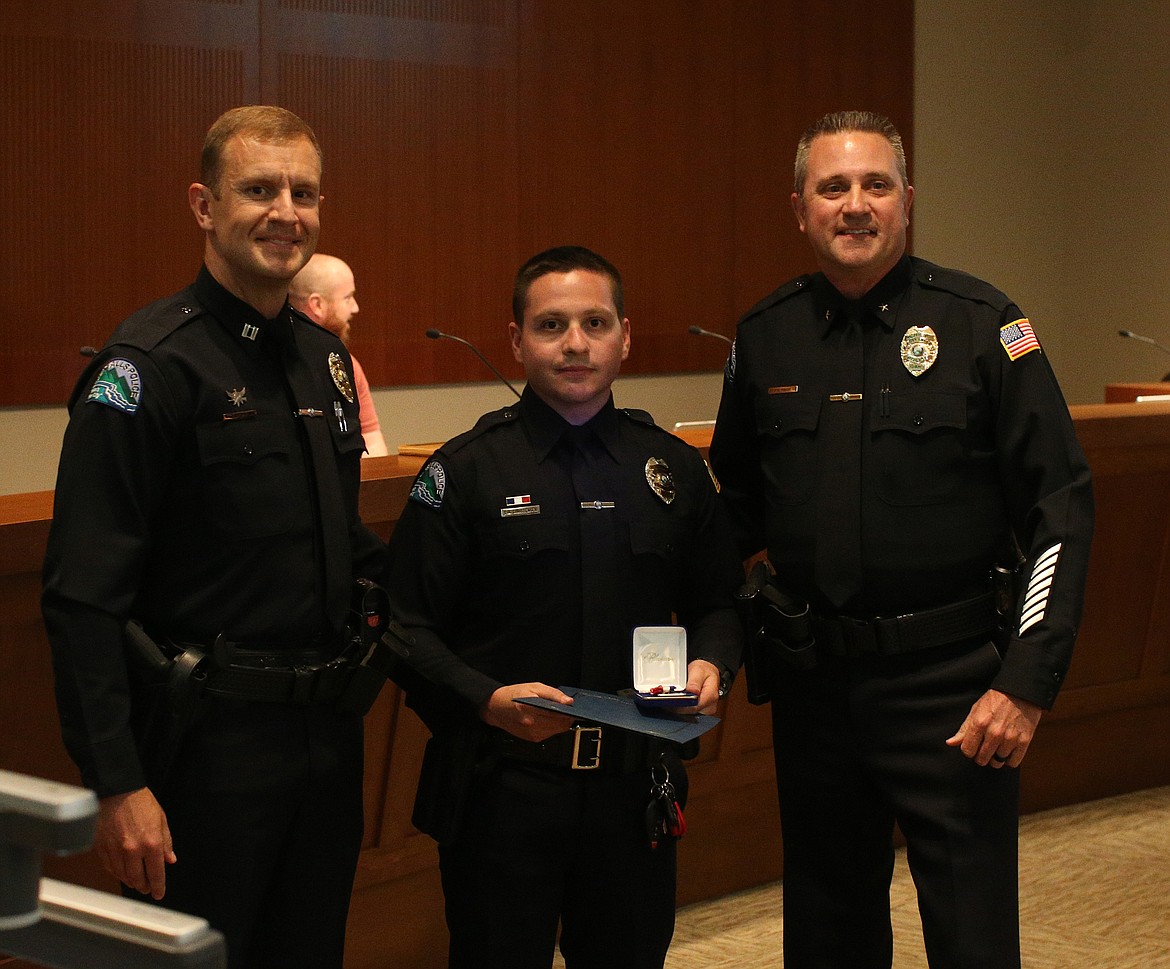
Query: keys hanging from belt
[{"x": 664, "y": 815}]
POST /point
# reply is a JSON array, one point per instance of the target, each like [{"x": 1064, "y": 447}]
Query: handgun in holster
[
  {"x": 176, "y": 684},
  {"x": 779, "y": 631},
  {"x": 375, "y": 641}
]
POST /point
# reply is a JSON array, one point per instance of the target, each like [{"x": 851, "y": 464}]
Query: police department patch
[
  {"x": 117, "y": 386},
  {"x": 430, "y": 485}
]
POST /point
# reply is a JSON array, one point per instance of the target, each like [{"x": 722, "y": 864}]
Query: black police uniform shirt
[
  {"x": 186, "y": 499},
  {"x": 950, "y": 464},
  {"x": 507, "y": 571}
]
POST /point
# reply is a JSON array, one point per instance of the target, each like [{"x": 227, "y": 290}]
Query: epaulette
[
  {"x": 489, "y": 422},
  {"x": 958, "y": 283},
  {"x": 152, "y": 324},
  {"x": 798, "y": 285},
  {"x": 299, "y": 317},
  {"x": 640, "y": 416}
]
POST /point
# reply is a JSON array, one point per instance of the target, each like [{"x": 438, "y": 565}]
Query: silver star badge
[{"x": 238, "y": 397}]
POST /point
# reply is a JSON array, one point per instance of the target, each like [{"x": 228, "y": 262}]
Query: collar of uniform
[
  {"x": 545, "y": 427},
  {"x": 233, "y": 314},
  {"x": 881, "y": 301}
]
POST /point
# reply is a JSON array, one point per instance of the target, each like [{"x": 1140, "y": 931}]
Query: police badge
[
  {"x": 659, "y": 478},
  {"x": 340, "y": 377},
  {"x": 919, "y": 350}
]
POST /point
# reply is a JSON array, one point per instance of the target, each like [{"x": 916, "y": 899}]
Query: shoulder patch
[
  {"x": 1017, "y": 339},
  {"x": 118, "y": 385},
  {"x": 430, "y": 485}
]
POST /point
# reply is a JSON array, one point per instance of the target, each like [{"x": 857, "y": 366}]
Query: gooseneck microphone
[
  {"x": 440, "y": 335},
  {"x": 699, "y": 331},
  {"x": 1130, "y": 335}
]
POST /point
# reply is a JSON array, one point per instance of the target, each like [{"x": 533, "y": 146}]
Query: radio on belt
[{"x": 660, "y": 668}]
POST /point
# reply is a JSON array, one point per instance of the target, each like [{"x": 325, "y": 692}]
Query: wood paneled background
[{"x": 460, "y": 137}]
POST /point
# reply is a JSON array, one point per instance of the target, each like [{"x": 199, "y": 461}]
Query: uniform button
[
  {"x": 669, "y": 549},
  {"x": 248, "y": 449},
  {"x": 919, "y": 420},
  {"x": 523, "y": 546},
  {"x": 778, "y": 425}
]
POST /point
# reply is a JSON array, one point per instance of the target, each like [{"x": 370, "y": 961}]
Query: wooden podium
[
  {"x": 1104, "y": 737},
  {"x": 1128, "y": 393}
]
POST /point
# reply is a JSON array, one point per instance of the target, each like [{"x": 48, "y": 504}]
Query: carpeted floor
[{"x": 1094, "y": 894}]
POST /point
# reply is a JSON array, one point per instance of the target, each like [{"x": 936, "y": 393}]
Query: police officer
[
  {"x": 891, "y": 432},
  {"x": 208, "y": 490},
  {"x": 530, "y": 549}
]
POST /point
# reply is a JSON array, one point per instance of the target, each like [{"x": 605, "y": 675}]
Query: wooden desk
[
  {"x": 1128, "y": 393},
  {"x": 1104, "y": 737}
]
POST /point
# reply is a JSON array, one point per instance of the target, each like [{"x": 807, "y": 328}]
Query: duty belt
[
  {"x": 585, "y": 747},
  {"x": 847, "y": 636},
  {"x": 270, "y": 674}
]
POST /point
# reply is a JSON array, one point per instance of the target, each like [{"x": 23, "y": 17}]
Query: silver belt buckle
[{"x": 595, "y": 757}]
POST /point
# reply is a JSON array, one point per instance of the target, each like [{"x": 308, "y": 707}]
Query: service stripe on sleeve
[{"x": 1039, "y": 586}]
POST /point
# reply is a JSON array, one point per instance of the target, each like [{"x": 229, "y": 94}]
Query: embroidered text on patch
[
  {"x": 1017, "y": 339},
  {"x": 1039, "y": 586},
  {"x": 118, "y": 386},
  {"x": 430, "y": 485}
]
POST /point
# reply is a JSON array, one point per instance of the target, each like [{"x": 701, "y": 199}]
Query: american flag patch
[
  {"x": 1017, "y": 339},
  {"x": 516, "y": 500}
]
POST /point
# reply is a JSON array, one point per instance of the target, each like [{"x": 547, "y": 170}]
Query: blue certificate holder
[{"x": 621, "y": 710}]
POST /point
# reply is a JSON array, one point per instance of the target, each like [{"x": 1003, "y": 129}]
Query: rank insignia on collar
[
  {"x": 659, "y": 478},
  {"x": 238, "y": 397},
  {"x": 919, "y": 350},
  {"x": 340, "y": 377}
]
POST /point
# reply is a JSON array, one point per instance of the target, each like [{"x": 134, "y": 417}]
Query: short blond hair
[{"x": 264, "y": 122}]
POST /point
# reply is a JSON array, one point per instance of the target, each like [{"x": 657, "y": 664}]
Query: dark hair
[
  {"x": 264, "y": 122},
  {"x": 563, "y": 259},
  {"x": 840, "y": 122}
]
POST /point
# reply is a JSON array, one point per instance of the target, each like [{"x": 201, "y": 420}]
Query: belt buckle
[{"x": 595, "y": 736}]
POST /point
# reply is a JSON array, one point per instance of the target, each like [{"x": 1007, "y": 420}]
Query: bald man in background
[{"x": 324, "y": 291}]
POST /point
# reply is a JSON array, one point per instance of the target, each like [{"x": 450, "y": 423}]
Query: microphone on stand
[
  {"x": 440, "y": 335},
  {"x": 1130, "y": 335},
  {"x": 699, "y": 331}
]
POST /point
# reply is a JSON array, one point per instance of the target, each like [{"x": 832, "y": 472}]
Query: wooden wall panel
[{"x": 460, "y": 137}]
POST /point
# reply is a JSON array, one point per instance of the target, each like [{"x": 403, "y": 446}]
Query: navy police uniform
[
  {"x": 208, "y": 488},
  {"x": 890, "y": 452},
  {"x": 529, "y": 551}
]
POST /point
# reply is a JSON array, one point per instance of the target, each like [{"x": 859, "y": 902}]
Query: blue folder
[{"x": 616, "y": 710}]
